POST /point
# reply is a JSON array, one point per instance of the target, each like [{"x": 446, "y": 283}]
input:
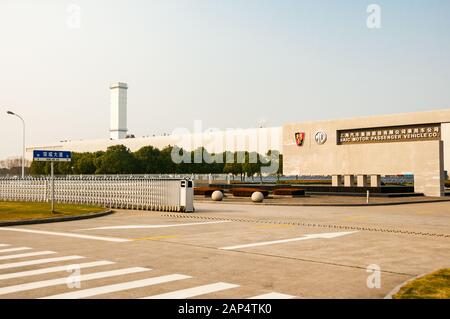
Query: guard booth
[{"x": 187, "y": 196}]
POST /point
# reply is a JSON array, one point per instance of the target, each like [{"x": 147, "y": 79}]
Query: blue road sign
[{"x": 52, "y": 156}]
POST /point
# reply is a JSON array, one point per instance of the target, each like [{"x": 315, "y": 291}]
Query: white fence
[{"x": 128, "y": 192}]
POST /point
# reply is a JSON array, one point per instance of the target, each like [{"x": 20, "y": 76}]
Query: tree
[
  {"x": 67, "y": 168},
  {"x": 252, "y": 164},
  {"x": 218, "y": 165},
  {"x": 13, "y": 166},
  {"x": 84, "y": 164},
  {"x": 117, "y": 160},
  {"x": 149, "y": 160},
  {"x": 234, "y": 167},
  {"x": 168, "y": 166},
  {"x": 37, "y": 168},
  {"x": 275, "y": 161}
]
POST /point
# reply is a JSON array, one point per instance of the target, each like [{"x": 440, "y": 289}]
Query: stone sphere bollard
[
  {"x": 217, "y": 196},
  {"x": 257, "y": 197}
]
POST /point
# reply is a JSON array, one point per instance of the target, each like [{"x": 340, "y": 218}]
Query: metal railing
[{"x": 127, "y": 192}]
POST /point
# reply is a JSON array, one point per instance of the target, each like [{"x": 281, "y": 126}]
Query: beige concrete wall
[
  {"x": 445, "y": 133},
  {"x": 425, "y": 159}
]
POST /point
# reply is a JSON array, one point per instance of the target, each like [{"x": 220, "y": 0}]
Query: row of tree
[
  {"x": 119, "y": 159},
  {"x": 13, "y": 166}
]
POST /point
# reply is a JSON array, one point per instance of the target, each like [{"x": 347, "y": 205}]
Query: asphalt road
[{"x": 227, "y": 251}]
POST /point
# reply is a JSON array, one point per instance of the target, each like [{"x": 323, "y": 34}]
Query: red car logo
[{"x": 300, "y": 138}]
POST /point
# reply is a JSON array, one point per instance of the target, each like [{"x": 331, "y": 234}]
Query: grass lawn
[
  {"x": 10, "y": 211},
  {"x": 432, "y": 286}
]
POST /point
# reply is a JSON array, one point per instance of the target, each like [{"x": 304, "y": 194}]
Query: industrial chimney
[{"x": 118, "y": 128}]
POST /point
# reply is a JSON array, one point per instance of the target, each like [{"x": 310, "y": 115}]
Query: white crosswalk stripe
[
  {"x": 38, "y": 262},
  {"x": 118, "y": 287},
  {"x": 194, "y": 292},
  {"x": 10, "y": 250},
  {"x": 273, "y": 295},
  {"x": 65, "y": 280},
  {"x": 39, "y": 253},
  {"x": 102, "y": 290},
  {"x": 22, "y": 274},
  {"x": 73, "y": 235}
]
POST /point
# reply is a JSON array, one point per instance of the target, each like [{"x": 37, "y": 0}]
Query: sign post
[
  {"x": 52, "y": 157},
  {"x": 52, "y": 177}
]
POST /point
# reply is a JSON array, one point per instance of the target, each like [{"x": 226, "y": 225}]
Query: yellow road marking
[{"x": 154, "y": 238}]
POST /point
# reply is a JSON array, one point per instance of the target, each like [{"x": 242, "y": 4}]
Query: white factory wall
[{"x": 259, "y": 140}]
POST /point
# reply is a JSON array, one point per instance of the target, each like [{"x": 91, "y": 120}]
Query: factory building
[{"x": 356, "y": 152}]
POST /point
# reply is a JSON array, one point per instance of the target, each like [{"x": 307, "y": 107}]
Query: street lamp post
[{"x": 23, "y": 141}]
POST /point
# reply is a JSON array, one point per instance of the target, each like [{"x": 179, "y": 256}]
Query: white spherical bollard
[
  {"x": 217, "y": 196},
  {"x": 257, "y": 197}
]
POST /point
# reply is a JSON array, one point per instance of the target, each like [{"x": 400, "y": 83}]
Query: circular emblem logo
[{"x": 320, "y": 137}]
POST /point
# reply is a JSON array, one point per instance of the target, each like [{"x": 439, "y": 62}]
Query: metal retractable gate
[{"x": 118, "y": 191}]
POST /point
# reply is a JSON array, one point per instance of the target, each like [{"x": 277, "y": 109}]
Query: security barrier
[{"x": 126, "y": 192}]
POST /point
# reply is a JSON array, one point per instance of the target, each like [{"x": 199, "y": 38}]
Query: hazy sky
[{"x": 229, "y": 63}]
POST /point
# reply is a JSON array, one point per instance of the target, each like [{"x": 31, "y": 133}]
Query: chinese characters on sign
[
  {"x": 405, "y": 133},
  {"x": 52, "y": 156}
]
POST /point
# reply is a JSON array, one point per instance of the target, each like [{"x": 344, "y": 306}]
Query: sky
[{"x": 228, "y": 63}]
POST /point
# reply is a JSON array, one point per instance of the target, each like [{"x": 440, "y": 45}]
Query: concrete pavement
[{"x": 228, "y": 251}]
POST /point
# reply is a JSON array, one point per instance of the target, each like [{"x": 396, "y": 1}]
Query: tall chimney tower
[{"x": 118, "y": 128}]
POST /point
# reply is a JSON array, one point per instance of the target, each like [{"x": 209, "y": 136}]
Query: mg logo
[{"x": 320, "y": 137}]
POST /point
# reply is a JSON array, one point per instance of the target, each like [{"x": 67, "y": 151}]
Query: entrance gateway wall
[{"x": 414, "y": 143}]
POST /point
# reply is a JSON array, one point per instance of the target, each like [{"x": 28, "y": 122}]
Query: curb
[
  {"x": 332, "y": 205},
  {"x": 55, "y": 219},
  {"x": 397, "y": 289}
]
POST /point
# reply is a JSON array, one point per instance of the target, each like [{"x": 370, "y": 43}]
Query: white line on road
[
  {"x": 118, "y": 287},
  {"x": 273, "y": 295},
  {"x": 54, "y": 269},
  {"x": 65, "y": 280},
  {"x": 38, "y": 262},
  {"x": 194, "y": 292},
  {"x": 156, "y": 226},
  {"x": 39, "y": 253},
  {"x": 4, "y": 245},
  {"x": 112, "y": 239},
  {"x": 9, "y": 250},
  {"x": 282, "y": 241}
]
